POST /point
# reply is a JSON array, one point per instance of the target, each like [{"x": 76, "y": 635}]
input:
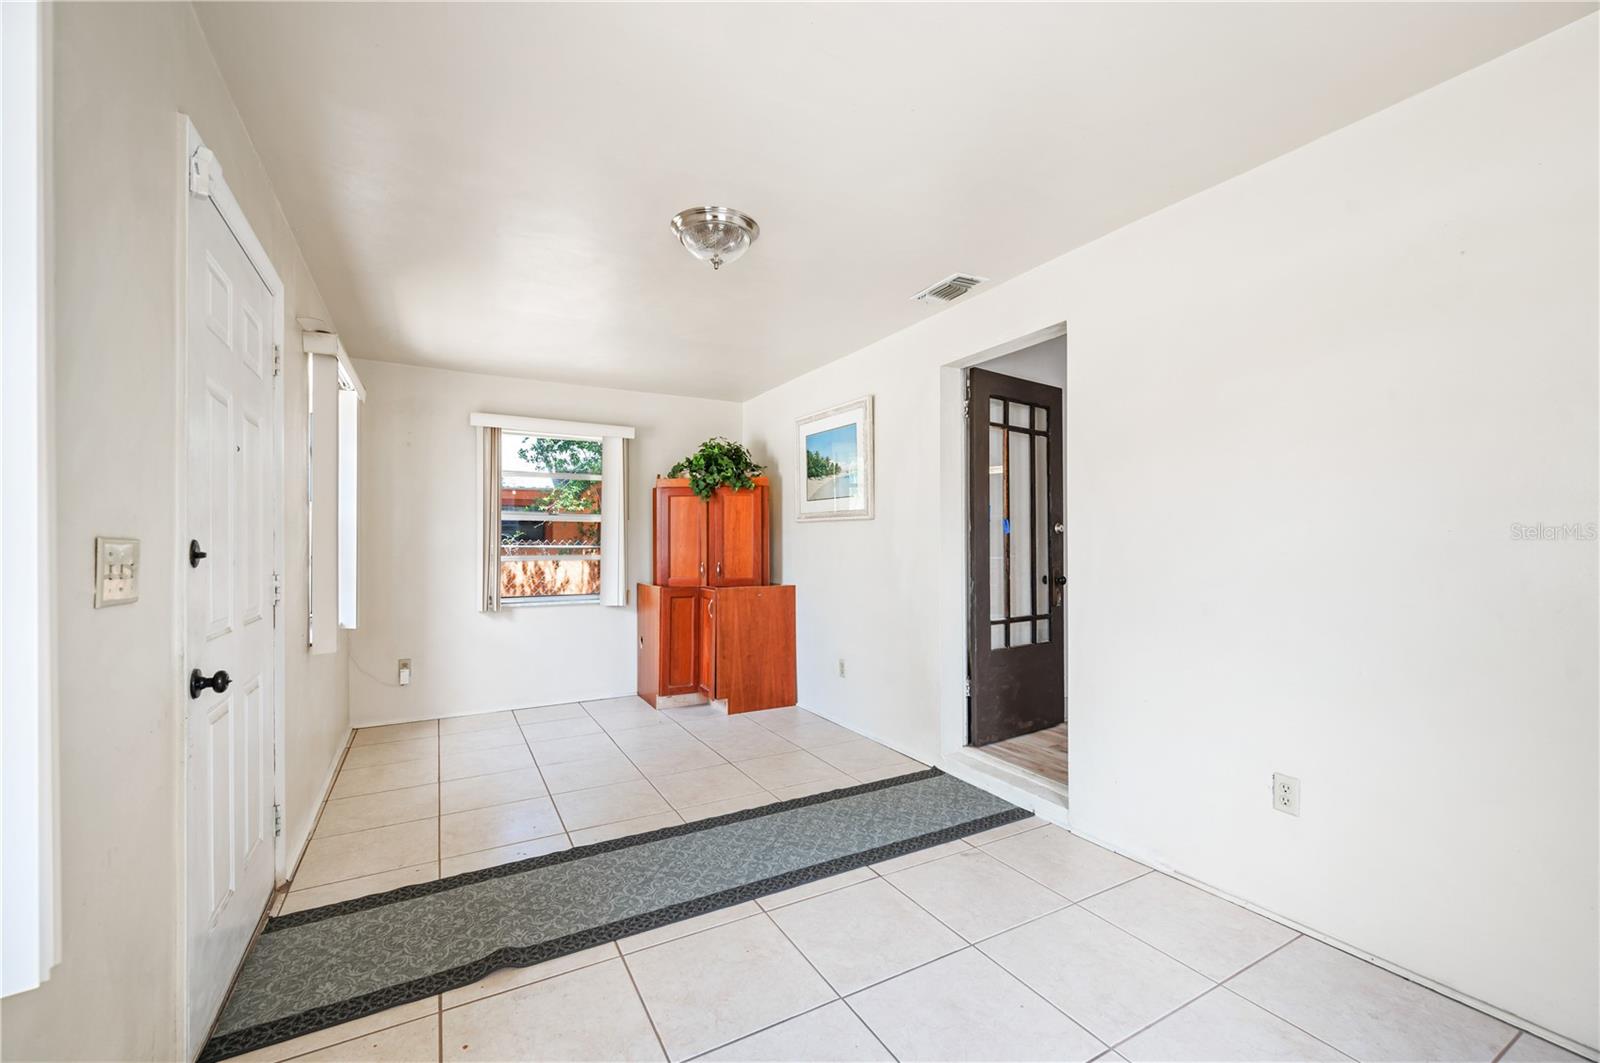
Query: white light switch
[{"x": 116, "y": 571}]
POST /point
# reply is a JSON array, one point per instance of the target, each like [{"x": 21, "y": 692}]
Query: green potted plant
[{"x": 718, "y": 463}]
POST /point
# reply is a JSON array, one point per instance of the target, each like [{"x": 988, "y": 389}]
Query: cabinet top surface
[{"x": 683, "y": 481}]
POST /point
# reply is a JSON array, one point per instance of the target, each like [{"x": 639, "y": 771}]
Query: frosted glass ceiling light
[{"x": 715, "y": 234}]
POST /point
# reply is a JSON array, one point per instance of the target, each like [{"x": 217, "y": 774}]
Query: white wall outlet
[
  {"x": 841, "y": 667},
  {"x": 405, "y": 671},
  {"x": 1286, "y": 793}
]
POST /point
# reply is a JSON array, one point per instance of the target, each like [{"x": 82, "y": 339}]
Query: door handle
[
  {"x": 199, "y": 682},
  {"x": 195, "y": 553},
  {"x": 1061, "y": 581}
]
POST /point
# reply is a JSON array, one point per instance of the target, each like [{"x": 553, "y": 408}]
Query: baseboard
[
  {"x": 295, "y": 848},
  {"x": 385, "y": 721}
]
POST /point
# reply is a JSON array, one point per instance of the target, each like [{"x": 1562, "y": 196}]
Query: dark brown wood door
[
  {"x": 1016, "y": 575},
  {"x": 737, "y": 533},
  {"x": 680, "y": 554}
]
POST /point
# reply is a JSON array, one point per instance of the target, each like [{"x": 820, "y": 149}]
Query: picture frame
[{"x": 835, "y": 474}]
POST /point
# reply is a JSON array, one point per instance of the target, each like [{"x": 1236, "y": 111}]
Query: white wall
[
  {"x": 1304, "y": 409},
  {"x": 419, "y": 546},
  {"x": 120, "y": 76}
]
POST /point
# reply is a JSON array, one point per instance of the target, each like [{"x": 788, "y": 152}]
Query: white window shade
[
  {"x": 613, "y": 521},
  {"x": 349, "y": 411}
]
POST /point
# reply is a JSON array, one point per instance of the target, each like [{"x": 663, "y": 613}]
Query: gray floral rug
[{"x": 323, "y": 966}]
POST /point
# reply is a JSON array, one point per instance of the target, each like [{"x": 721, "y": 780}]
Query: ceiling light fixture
[{"x": 715, "y": 234}]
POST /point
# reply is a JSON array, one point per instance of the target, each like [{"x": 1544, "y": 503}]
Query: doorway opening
[{"x": 1016, "y": 560}]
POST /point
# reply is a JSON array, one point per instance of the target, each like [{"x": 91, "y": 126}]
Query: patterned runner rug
[{"x": 323, "y": 966}]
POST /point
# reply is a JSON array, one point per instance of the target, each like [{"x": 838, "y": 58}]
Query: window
[
  {"x": 29, "y": 912},
  {"x": 553, "y": 511},
  {"x": 551, "y": 494},
  {"x": 335, "y": 395}
]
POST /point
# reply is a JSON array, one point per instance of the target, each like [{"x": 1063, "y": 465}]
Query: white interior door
[{"x": 230, "y": 732}]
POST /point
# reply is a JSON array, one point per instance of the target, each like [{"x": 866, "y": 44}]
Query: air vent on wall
[{"x": 950, "y": 289}]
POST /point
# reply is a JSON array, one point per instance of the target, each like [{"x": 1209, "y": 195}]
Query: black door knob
[
  {"x": 199, "y": 682},
  {"x": 1061, "y": 581},
  {"x": 195, "y": 553}
]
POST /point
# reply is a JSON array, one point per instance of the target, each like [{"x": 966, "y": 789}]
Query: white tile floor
[{"x": 1025, "y": 943}]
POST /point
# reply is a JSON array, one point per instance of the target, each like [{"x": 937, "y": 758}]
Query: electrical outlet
[
  {"x": 405, "y": 671},
  {"x": 1286, "y": 793},
  {"x": 841, "y": 667}
]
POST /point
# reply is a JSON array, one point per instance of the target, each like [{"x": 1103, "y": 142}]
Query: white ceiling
[{"x": 487, "y": 187}]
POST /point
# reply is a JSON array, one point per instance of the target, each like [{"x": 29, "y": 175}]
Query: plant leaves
[{"x": 718, "y": 463}]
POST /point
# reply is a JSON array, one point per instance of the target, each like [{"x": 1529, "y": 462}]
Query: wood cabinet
[
  {"x": 712, "y": 627},
  {"x": 724, "y": 542},
  {"x": 733, "y": 644}
]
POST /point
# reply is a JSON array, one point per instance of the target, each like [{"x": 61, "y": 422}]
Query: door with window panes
[
  {"x": 1016, "y": 575},
  {"x": 549, "y": 518}
]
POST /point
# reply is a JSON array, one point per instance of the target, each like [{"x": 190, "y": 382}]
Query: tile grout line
[
  {"x": 764, "y": 1029},
  {"x": 1150, "y": 945},
  {"x": 1498, "y": 1056},
  {"x": 1292, "y": 1025},
  {"x": 1164, "y": 1016},
  {"x": 527, "y": 744},
  {"x": 639, "y": 996},
  {"x": 645, "y": 776},
  {"x": 1281, "y": 1018}
]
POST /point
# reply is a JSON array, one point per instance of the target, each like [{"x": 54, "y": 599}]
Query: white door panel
[{"x": 230, "y": 756}]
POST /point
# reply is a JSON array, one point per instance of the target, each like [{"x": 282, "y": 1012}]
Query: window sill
[{"x": 571, "y": 599}]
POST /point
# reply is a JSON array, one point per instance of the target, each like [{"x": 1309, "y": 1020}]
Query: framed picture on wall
[{"x": 836, "y": 463}]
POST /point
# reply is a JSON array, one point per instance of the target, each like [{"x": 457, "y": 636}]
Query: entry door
[
  {"x": 1015, "y": 557},
  {"x": 229, "y": 863}
]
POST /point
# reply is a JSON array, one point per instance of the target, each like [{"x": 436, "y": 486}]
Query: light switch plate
[{"x": 116, "y": 571}]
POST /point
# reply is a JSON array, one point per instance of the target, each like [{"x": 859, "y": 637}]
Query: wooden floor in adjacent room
[{"x": 1044, "y": 752}]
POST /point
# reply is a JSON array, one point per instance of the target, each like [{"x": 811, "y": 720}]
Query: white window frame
[
  {"x": 613, "y": 499},
  {"x": 30, "y": 934},
  {"x": 331, "y": 496}
]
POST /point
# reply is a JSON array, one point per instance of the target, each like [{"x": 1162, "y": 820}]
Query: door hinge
[
  {"x": 967, "y": 687},
  {"x": 277, "y": 596},
  {"x": 203, "y": 171},
  {"x": 277, "y": 820},
  {"x": 277, "y": 359}
]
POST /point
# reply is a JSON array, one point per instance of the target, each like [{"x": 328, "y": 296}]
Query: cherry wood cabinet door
[
  {"x": 679, "y": 640},
  {"x": 706, "y": 647},
  {"x": 680, "y": 546},
  {"x": 737, "y": 537}
]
